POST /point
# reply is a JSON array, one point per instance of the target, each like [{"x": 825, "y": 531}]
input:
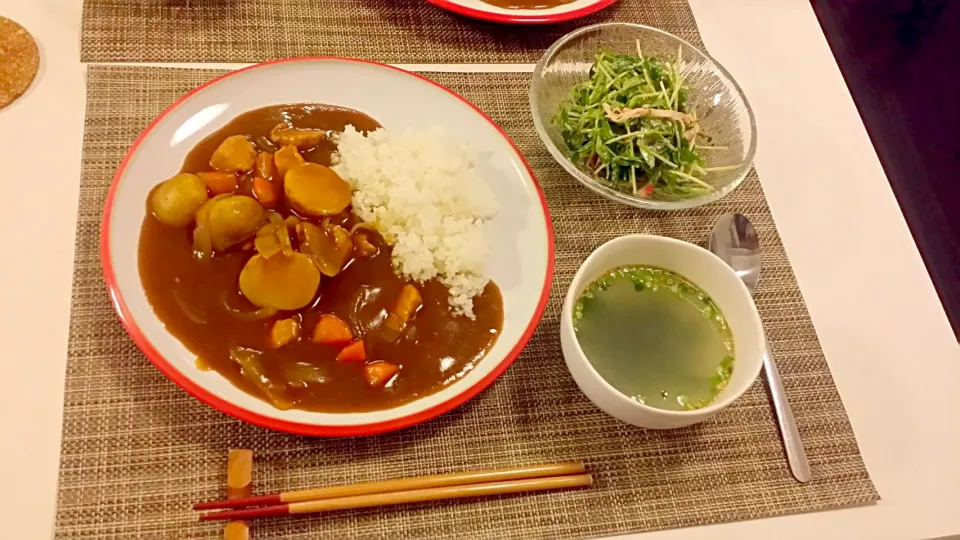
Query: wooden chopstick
[
  {"x": 401, "y": 497},
  {"x": 400, "y": 484}
]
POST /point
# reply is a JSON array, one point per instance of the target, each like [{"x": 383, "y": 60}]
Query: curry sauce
[{"x": 200, "y": 304}]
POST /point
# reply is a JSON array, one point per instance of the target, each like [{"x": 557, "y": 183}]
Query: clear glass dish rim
[{"x": 607, "y": 191}]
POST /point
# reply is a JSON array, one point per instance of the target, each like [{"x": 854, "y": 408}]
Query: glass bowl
[{"x": 718, "y": 101}]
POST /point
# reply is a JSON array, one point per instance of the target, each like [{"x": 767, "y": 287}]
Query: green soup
[{"x": 655, "y": 336}]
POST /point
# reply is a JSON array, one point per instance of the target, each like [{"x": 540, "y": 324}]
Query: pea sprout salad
[{"x": 629, "y": 125}]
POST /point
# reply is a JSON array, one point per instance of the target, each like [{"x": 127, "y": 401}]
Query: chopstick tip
[
  {"x": 246, "y": 513},
  {"x": 256, "y": 500}
]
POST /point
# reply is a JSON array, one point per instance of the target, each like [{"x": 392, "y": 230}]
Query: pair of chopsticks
[{"x": 400, "y": 491}]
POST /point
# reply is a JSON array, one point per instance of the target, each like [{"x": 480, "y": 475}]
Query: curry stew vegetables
[{"x": 253, "y": 259}]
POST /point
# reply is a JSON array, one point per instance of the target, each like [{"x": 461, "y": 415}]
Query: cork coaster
[{"x": 19, "y": 61}]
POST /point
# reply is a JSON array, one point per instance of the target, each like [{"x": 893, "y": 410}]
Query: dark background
[{"x": 901, "y": 62}]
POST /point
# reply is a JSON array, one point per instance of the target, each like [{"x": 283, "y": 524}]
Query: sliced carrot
[
  {"x": 219, "y": 182},
  {"x": 379, "y": 373},
  {"x": 264, "y": 167},
  {"x": 265, "y": 191},
  {"x": 331, "y": 330},
  {"x": 354, "y": 352}
]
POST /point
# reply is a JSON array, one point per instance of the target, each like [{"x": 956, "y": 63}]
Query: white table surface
[{"x": 886, "y": 338}]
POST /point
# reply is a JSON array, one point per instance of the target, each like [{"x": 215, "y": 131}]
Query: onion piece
[
  {"x": 303, "y": 374},
  {"x": 363, "y": 246},
  {"x": 190, "y": 311},
  {"x": 281, "y": 232},
  {"x": 274, "y": 238},
  {"x": 265, "y": 144},
  {"x": 328, "y": 248},
  {"x": 274, "y": 218},
  {"x": 364, "y": 225},
  {"x": 255, "y": 315},
  {"x": 283, "y": 236},
  {"x": 267, "y": 244},
  {"x": 251, "y": 367},
  {"x": 202, "y": 243}
]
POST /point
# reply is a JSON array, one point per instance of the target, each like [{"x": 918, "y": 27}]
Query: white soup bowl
[{"x": 713, "y": 277}]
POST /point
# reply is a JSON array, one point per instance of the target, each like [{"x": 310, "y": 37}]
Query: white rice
[{"x": 420, "y": 189}]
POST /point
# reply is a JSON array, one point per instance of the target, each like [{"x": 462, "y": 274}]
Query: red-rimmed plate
[
  {"x": 521, "y": 236},
  {"x": 478, "y": 9}
]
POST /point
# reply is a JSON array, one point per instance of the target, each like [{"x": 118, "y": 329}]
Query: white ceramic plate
[
  {"x": 489, "y": 12},
  {"x": 521, "y": 236}
]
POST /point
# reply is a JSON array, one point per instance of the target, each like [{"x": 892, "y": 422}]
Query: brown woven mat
[
  {"x": 138, "y": 451},
  {"x": 397, "y": 31}
]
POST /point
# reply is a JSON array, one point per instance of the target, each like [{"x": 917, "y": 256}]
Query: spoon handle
[{"x": 796, "y": 455}]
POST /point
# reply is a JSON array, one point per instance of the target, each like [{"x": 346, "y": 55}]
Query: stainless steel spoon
[{"x": 735, "y": 241}]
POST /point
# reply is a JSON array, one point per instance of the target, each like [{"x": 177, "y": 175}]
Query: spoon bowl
[{"x": 735, "y": 241}]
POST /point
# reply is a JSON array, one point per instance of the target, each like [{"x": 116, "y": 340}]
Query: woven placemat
[
  {"x": 138, "y": 451},
  {"x": 396, "y": 31}
]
